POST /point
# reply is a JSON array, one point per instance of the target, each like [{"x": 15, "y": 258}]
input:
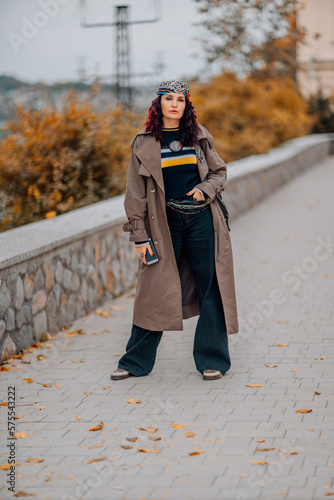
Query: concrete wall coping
[
  {"x": 285, "y": 151},
  {"x": 31, "y": 240}
]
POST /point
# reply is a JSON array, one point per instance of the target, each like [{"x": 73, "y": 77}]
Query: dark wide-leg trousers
[{"x": 210, "y": 348}]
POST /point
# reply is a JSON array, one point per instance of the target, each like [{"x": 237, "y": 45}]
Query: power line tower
[{"x": 123, "y": 71}]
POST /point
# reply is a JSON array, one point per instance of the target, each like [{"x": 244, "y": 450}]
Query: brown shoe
[
  {"x": 212, "y": 375},
  {"x": 119, "y": 374}
]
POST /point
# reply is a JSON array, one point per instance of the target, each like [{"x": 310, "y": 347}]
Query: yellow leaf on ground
[
  {"x": 87, "y": 393},
  {"x": 126, "y": 447},
  {"x": 270, "y": 366},
  {"x": 4, "y": 369},
  {"x": 244, "y": 475},
  {"x": 40, "y": 357},
  {"x": 4, "y": 403},
  {"x": 51, "y": 214},
  {"x": 20, "y": 434},
  {"x": 317, "y": 393},
  {"x": 196, "y": 452},
  {"x": 77, "y": 361},
  {"x": 107, "y": 387},
  {"x": 97, "y": 427},
  {"x": 149, "y": 450},
  {"x": 46, "y": 385},
  {"x": 303, "y": 410},
  {"x": 282, "y": 345},
  {"x": 29, "y": 380},
  {"x": 154, "y": 438},
  {"x": 288, "y": 452},
  {"x": 57, "y": 385},
  {"x": 329, "y": 494},
  {"x": 116, "y": 308},
  {"x": 78, "y": 418},
  {"x": 254, "y": 385},
  {"x": 152, "y": 430},
  {"x": 95, "y": 460},
  {"x": 264, "y": 449},
  {"x": 42, "y": 407},
  {"x": 96, "y": 446},
  {"x": 132, "y": 439},
  {"x": 133, "y": 400},
  {"x": 190, "y": 434},
  {"x": 259, "y": 440},
  {"x": 259, "y": 462},
  {"x": 35, "y": 460},
  {"x": 322, "y": 357},
  {"x": 103, "y": 314},
  {"x": 177, "y": 426}
]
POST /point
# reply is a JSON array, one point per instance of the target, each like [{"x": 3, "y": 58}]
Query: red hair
[{"x": 188, "y": 124}]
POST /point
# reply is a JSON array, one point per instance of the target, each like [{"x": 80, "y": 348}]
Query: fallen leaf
[
  {"x": 20, "y": 434},
  {"x": 42, "y": 407},
  {"x": 78, "y": 418},
  {"x": 87, "y": 393},
  {"x": 126, "y": 447},
  {"x": 4, "y": 403},
  {"x": 317, "y": 393},
  {"x": 24, "y": 494},
  {"x": 282, "y": 345},
  {"x": 190, "y": 434},
  {"x": 57, "y": 385},
  {"x": 133, "y": 439},
  {"x": 259, "y": 440},
  {"x": 107, "y": 387},
  {"x": 116, "y": 308},
  {"x": 77, "y": 361},
  {"x": 152, "y": 430},
  {"x": 149, "y": 450},
  {"x": 270, "y": 366},
  {"x": 134, "y": 401},
  {"x": 259, "y": 462},
  {"x": 303, "y": 410},
  {"x": 293, "y": 369},
  {"x": 46, "y": 385},
  {"x": 154, "y": 438},
  {"x": 4, "y": 369},
  {"x": 287, "y": 452},
  {"x": 264, "y": 449},
  {"x": 97, "y": 427},
  {"x": 244, "y": 475},
  {"x": 329, "y": 494},
  {"x": 47, "y": 479},
  {"x": 103, "y": 314},
  {"x": 254, "y": 385},
  {"x": 40, "y": 357},
  {"x": 17, "y": 417},
  {"x": 29, "y": 380},
  {"x": 95, "y": 460},
  {"x": 95, "y": 446},
  {"x": 8, "y": 466},
  {"x": 177, "y": 426},
  {"x": 48, "y": 215},
  {"x": 35, "y": 460},
  {"x": 196, "y": 452},
  {"x": 322, "y": 357}
]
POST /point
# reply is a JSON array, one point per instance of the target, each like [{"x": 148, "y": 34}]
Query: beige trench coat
[{"x": 165, "y": 293}]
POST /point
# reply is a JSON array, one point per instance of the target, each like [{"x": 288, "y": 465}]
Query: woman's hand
[
  {"x": 197, "y": 195},
  {"x": 142, "y": 251}
]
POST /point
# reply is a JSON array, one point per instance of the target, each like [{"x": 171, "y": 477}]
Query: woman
[{"x": 173, "y": 159}]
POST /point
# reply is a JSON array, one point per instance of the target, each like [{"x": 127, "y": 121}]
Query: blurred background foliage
[
  {"x": 55, "y": 160},
  {"x": 248, "y": 116}
]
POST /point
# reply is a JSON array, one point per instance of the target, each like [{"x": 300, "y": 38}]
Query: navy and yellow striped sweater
[{"x": 179, "y": 168}]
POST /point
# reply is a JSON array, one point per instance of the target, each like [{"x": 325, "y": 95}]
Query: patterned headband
[{"x": 174, "y": 86}]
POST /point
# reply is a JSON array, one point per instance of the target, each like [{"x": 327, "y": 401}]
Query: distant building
[{"x": 316, "y": 56}]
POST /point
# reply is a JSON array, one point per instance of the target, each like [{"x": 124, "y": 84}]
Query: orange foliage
[
  {"x": 53, "y": 161},
  {"x": 249, "y": 116}
]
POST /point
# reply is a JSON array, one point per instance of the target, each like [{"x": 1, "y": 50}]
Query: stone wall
[{"x": 54, "y": 271}]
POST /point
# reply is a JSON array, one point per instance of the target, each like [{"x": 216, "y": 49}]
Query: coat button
[
  {"x": 152, "y": 190},
  {"x": 152, "y": 216},
  {"x": 156, "y": 242}
]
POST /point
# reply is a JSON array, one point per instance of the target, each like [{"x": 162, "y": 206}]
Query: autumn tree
[
  {"x": 55, "y": 160},
  {"x": 257, "y": 37}
]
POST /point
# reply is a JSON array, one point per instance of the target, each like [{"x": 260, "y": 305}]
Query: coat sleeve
[
  {"x": 215, "y": 182},
  {"x": 135, "y": 201}
]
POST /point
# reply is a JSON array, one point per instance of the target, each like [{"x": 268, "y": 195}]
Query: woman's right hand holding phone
[{"x": 142, "y": 251}]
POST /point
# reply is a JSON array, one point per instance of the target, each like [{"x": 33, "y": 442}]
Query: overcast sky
[{"x": 48, "y": 44}]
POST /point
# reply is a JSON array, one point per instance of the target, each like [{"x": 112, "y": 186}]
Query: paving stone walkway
[{"x": 248, "y": 440}]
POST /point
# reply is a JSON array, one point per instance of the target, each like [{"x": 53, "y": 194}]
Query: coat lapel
[{"x": 149, "y": 154}]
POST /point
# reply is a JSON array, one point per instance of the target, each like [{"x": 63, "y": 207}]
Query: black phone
[{"x": 151, "y": 259}]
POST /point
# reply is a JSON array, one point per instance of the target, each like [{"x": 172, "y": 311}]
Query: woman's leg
[
  {"x": 211, "y": 341},
  {"x": 141, "y": 350}
]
